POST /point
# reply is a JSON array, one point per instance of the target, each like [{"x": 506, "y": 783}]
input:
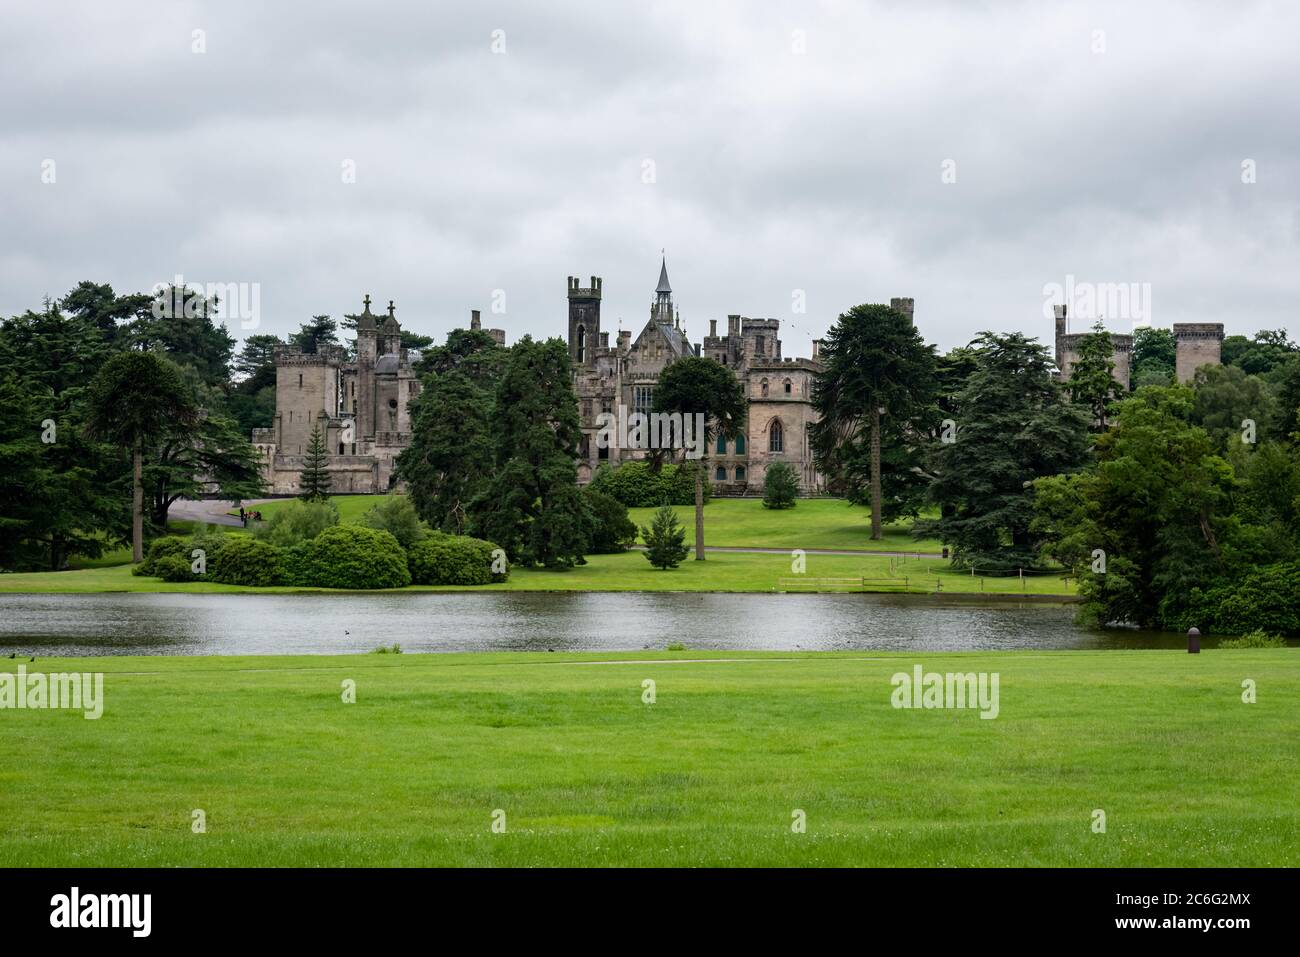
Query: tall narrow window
[
  {"x": 740, "y": 444},
  {"x": 722, "y": 444},
  {"x": 762, "y": 387},
  {"x": 582, "y": 343},
  {"x": 775, "y": 437},
  {"x": 788, "y": 387}
]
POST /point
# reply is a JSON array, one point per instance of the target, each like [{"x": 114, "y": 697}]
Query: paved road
[{"x": 211, "y": 511}]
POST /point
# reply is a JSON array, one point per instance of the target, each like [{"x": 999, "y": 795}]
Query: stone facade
[
  {"x": 360, "y": 406},
  {"x": 624, "y": 374},
  {"x": 1198, "y": 344},
  {"x": 1067, "y": 349}
]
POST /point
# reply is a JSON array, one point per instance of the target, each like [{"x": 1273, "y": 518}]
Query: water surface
[{"x": 187, "y": 624}]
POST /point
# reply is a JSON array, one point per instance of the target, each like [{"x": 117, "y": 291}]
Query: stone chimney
[{"x": 475, "y": 322}]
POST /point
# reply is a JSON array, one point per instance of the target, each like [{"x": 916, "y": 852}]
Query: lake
[{"x": 187, "y": 624}]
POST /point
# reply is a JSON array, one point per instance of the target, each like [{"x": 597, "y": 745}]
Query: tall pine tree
[{"x": 314, "y": 481}]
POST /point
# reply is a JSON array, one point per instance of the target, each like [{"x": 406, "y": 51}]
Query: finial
[
  {"x": 390, "y": 308},
  {"x": 366, "y": 302}
]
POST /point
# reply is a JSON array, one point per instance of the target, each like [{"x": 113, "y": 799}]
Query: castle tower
[
  {"x": 584, "y": 320},
  {"x": 662, "y": 311},
  {"x": 367, "y": 352},
  {"x": 390, "y": 333},
  {"x": 1196, "y": 344}
]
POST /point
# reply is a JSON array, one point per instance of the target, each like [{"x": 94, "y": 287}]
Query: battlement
[
  {"x": 904, "y": 304},
  {"x": 286, "y": 355},
  {"x": 578, "y": 291},
  {"x": 1198, "y": 330}
]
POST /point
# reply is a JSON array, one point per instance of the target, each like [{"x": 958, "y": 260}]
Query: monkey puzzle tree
[
  {"x": 135, "y": 397},
  {"x": 876, "y": 364},
  {"x": 314, "y": 480},
  {"x": 699, "y": 385}
]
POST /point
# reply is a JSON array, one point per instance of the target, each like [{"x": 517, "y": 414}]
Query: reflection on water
[{"x": 181, "y": 624}]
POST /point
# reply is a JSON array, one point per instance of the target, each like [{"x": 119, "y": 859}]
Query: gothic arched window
[
  {"x": 582, "y": 343},
  {"x": 763, "y": 387},
  {"x": 775, "y": 437}
]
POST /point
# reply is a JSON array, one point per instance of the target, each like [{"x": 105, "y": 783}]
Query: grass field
[
  {"x": 812, "y": 523},
  {"x": 709, "y": 774},
  {"x": 722, "y": 572}
]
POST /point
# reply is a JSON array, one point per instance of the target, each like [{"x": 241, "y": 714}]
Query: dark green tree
[
  {"x": 1154, "y": 357},
  {"x": 697, "y": 385},
  {"x": 107, "y": 311},
  {"x": 665, "y": 539},
  {"x": 471, "y": 352},
  {"x": 876, "y": 365},
  {"x": 1151, "y": 521},
  {"x": 1013, "y": 425},
  {"x": 532, "y": 507},
  {"x": 320, "y": 331},
  {"x": 314, "y": 480},
  {"x": 780, "y": 486},
  {"x": 180, "y": 324},
  {"x": 450, "y": 460},
  {"x": 134, "y": 399},
  {"x": 612, "y": 531},
  {"x": 1232, "y": 406}
]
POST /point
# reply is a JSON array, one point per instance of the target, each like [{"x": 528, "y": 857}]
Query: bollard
[{"x": 1193, "y": 641}]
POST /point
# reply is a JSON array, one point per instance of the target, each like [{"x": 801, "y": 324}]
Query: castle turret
[{"x": 584, "y": 319}]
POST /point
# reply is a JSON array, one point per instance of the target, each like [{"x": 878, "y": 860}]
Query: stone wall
[{"x": 1196, "y": 344}]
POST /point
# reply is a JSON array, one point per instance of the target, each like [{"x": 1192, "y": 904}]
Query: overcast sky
[{"x": 499, "y": 148}]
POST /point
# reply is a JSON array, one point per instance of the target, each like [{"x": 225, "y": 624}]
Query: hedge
[
  {"x": 636, "y": 486},
  {"x": 442, "y": 559},
  {"x": 246, "y": 561},
  {"x": 353, "y": 556}
]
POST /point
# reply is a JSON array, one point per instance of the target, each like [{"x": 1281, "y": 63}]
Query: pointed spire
[{"x": 663, "y": 278}]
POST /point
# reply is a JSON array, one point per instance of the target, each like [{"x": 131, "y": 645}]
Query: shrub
[
  {"x": 297, "y": 522},
  {"x": 246, "y": 561},
  {"x": 1255, "y": 639},
  {"x": 173, "y": 568},
  {"x": 636, "y": 486},
  {"x": 296, "y": 564},
  {"x": 396, "y": 514},
  {"x": 1266, "y": 598},
  {"x": 353, "y": 556},
  {"x": 210, "y": 542},
  {"x": 442, "y": 559},
  {"x": 780, "y": 486},
  {"x": 612, "y": 530},
  {"x": 166, "y": 547},
  {"x": 665, "y": 540}
]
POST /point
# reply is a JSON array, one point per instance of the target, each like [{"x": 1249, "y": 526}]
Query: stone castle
[
  {"x": 361, "y": 404},
  {"x": 1196, "y": 344}
]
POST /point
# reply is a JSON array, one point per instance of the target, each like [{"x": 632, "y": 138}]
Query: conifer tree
[
  {"x": 665, "y": 539},
  {"x": 314, "y": 480}
]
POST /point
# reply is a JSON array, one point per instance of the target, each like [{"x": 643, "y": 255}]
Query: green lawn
[
  {"x": 709, "y": 774},
  {"x": 722, "y": 571},
  {"x": 812, "y": 523}
]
